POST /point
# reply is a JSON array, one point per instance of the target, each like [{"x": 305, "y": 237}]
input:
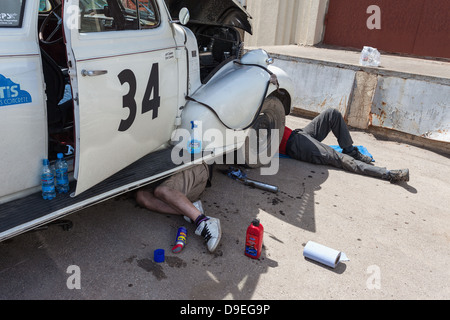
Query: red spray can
[{"x": 254, "y": 239}]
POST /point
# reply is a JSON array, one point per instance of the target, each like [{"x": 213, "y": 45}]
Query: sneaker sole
[{"x": 218, "y": 238}]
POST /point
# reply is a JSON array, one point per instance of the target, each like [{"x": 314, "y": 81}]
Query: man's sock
[{"x": 200, "y": 219}]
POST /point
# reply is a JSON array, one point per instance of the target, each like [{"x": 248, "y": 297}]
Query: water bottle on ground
[
  {"x": 62, "y": 177},
  {"x": 369, "y": 57},
  {"x": 47, "y": 181}
]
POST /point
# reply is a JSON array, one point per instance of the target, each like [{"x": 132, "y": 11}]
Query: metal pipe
[{"x": 260, "y": 185}]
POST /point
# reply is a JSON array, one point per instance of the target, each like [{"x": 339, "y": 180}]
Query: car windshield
[{"x": 11, "y": 13}]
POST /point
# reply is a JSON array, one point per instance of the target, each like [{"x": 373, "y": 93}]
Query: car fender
[
  {"x": 231, "y": 99},
  {"x": 285, "y": 91}
]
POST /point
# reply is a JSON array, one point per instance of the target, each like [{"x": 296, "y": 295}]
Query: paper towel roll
[{"x": 323, "y": 254}]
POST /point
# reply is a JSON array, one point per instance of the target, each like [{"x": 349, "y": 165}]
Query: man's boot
[{"x": 398, "y": 175}]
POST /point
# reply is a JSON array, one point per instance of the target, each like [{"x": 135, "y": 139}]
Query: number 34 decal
[{"x": 127, "y": 76}]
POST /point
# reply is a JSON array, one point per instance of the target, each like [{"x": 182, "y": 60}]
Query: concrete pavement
[{"x": 396, "y": 237}]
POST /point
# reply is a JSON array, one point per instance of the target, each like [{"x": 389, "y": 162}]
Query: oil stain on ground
[{"x": 157, "y": 269}]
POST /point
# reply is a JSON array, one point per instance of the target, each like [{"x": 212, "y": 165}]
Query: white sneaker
[
  {"x": 210, "y": 230},
  {"x": 198, "y": 205}
]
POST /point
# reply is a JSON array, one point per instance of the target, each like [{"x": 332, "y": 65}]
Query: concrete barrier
[
  {"x": 390, "y": 100},
  {"x": 421, "y": 108},
  {"x": 318, "y": 86}
]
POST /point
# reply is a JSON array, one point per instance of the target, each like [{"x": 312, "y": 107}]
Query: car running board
[{"x": 28, "y": 213}]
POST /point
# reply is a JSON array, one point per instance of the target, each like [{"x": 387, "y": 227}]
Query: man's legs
[
  {"x": 326, "y": 121},
  {"x": 167, "y": 200},
  {"x": 332, "y": 120},
  {"x": 303, "y": 147},
  {"x": 175, "y": 196},
  {"x": 147, "y": 199}
]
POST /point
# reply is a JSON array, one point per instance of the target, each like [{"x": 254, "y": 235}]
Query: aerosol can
[
  {"x": 180, "y": 241},
  {"x": 254, "y": 239}
]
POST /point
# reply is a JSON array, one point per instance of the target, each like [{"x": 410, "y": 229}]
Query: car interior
[{"x": 54, "y": 62}]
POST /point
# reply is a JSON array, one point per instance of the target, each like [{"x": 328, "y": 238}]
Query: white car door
[
  {"x": 23, "y": 122},
  {"x": 123, "y": 67}
]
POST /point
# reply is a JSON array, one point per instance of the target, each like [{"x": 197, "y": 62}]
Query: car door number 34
[{"x": 149, "y": 103}]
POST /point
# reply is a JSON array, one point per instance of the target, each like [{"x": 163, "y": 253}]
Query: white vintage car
[{"x": 117, "y": 86}]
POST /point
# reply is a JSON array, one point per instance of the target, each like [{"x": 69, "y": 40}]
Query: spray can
[
  {"x": 180, "y": 241},
  {"x": 254, "y": 239}
]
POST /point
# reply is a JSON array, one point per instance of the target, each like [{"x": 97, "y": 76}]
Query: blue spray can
[{"x": 180, "y": 242}]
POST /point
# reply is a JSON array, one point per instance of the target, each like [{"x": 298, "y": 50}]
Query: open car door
[{"x": 123, "y": 69}]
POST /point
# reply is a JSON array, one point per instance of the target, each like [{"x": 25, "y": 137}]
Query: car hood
[{"x": 216, "y": 12}]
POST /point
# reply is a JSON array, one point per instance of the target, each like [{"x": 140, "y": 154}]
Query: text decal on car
[
  {"x": 148, "y": 103},
  {"x": 10, "y": 93}
]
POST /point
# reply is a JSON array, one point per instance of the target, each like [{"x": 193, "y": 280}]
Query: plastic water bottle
[
  {"x": 62, "y": 178},
  {"x": 369, "y": 57},
  {"x": 195, "y": 144},
  {"x": 47, "y": 181}
]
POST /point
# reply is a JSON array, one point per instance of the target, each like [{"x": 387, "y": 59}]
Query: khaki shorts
[{"x": 191, "y": 182}]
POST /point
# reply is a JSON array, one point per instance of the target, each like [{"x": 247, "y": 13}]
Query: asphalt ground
[{"x": 396, "y": 236}]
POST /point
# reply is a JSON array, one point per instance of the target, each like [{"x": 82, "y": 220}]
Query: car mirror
[{"x": 184, "y": 16}]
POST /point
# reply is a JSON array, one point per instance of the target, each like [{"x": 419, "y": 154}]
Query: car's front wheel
[{"x": 265, "y": 135}]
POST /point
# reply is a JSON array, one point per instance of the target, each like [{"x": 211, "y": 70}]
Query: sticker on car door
[{"x": 11, "y": 93}]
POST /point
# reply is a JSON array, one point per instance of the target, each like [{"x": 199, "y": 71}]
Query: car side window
[
  {"x": 11, "y": 13},
  {"x": 117, "y": 15}
]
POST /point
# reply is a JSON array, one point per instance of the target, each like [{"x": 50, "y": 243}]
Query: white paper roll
[{"x": 323, "y": 254}]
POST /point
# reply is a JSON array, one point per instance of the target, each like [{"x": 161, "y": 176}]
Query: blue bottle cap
[
  {"x": 158, "y": 255},
  {"x": 60, "y": 155},
  {"x": 45, "y": 162}
]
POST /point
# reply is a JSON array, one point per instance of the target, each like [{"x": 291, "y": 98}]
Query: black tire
[{"x": 272, "y": 116}]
